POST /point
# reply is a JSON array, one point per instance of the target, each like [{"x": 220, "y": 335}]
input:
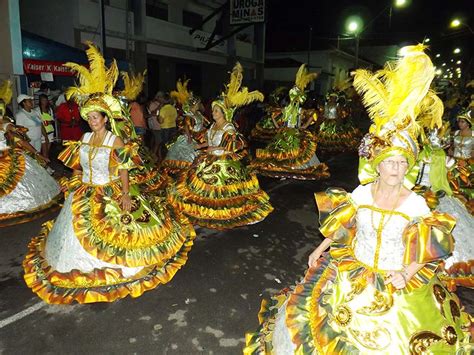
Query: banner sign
[
  {"x": 200, "y": 39},
  {"x": 246, "y": 11},
  {"x": 32, "y": 66}
]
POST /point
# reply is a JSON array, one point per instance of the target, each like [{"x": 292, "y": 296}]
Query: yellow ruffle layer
[
  {"x": 220, "y": 207},
  {"x": 12, "y": 168},
  {"x": 149, "y": 181},
  {"x": 174, "y": 166},
  {"x": 112, "y": 236},
  {"x": 104, "y": 285}
]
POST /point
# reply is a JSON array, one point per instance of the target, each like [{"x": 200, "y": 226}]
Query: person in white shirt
[{"x": 29, "y": 118}]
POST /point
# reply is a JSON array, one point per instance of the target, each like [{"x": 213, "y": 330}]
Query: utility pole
[
  {"x": 102, "y": 26},
  {"x": 309, "y": 43}
]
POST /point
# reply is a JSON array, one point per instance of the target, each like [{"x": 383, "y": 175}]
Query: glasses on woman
[{"x": 393, "y": 163}]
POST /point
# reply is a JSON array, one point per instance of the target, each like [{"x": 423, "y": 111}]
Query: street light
[
  {"x": 354, "y": 26},
  {"x": 426, "y": 40},
  {"x": 438, "y": 55},
  {"x": 457, "y": 50},
  {"x": 455, "y": 23},
  {"x": 458, "y": 62},
  {"x": 400, "y": 3}
]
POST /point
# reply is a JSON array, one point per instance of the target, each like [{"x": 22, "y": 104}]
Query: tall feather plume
[
  {"x": 396, "y": 92},
  {"x": 6, "y": 91},
  {"x": 181, "y": 94},
  {"x": 133, "y": 84},
  {"x": 373, "y": 92},
  {"x": 237, "y": 95},
  {"x": 97, "y": 78},
  {"x": 303, "y": 78},
  {"x": 431, "y": 111}
]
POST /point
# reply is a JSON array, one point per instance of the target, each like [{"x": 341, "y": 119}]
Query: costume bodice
[
  {"x": 463, "y": 145},
  {"x": 330, "y": 111},
  {"x": 95, "y": 161},
  {"x": 214, "y": 136},
  {"x": 198, "y": 121},
  {"x": 378, "y": 241},
  {"x": 3, "y": 138}
]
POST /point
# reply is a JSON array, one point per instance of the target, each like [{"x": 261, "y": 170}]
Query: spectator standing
[
  {"x": 153, "y": 111},
  {"x": 29, "y": 118},
  {"x": 47, "y": 117},
  {"x": 167, "y": 118},
  {"x": 138, "y": 116},
  {"x": 70, "y": 121}
]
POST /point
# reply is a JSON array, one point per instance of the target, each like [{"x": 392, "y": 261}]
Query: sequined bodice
[
  {"x": 383, "y": 250},
  {"x": 214, "y": 136},
  {"x": 330, "y": 112},
  {"x": 463, "y": 146},
  {"x": 198, "y": 121},
  {"x": 95, "y": 160}
]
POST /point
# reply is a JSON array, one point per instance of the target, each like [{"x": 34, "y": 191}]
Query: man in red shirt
[{"x": 69, "y": 120}]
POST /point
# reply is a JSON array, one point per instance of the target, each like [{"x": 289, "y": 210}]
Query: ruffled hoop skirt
[
  {"x": 95, "y": 252},
  {"x": 336, "y": 137},
  {"x": 220, "y": 193},
  {"x": 27, "y": 191},
  {"x": 292, "y": 153}
]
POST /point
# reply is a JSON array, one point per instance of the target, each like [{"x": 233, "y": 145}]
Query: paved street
[{"x": 206, "y": 308}]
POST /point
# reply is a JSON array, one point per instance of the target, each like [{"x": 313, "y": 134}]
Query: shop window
[
  {"x": 191, "y": 19},
  {"x": 157, "y": 9}
]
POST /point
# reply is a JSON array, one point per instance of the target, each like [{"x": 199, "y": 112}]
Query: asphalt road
[{"x": 206, "y": 308}]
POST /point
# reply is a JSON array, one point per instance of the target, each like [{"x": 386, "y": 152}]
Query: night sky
[{"x": 288, "y": 24}]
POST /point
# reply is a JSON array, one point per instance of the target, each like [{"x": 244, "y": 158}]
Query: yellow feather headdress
[
  {"x": 133, "y": 84},
  {"x": 181, "y": 94},
  {"x": 235, "y": 95},
  {"x": 303, "y": 78},
  {"x": 96, "y": 83},
  {"x": 95, "y": 79},
  {"x": 400, "y": 103},
  {"x": 6, "y": 91}
]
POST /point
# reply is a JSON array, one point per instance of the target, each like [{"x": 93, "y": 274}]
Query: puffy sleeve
[
  {"x": 234, "y": 142},
  {"x": 70, "y": 155},
  {"x": 337, "y": 213},
  {"x": 429, "y": 238},
  {"x": 126, "y": 158}
]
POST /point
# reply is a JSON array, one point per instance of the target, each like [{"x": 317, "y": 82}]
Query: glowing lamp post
[{"x": 354, "y": 27}]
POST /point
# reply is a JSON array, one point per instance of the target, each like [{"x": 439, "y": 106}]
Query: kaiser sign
[{"x": 245, "y": 11}]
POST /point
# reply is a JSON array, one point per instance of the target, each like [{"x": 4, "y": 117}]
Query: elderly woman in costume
[
  {"x": 27, "y": 191},
  {"x": 184, "y": 149},
  {"x": 376, "y": 290},
  {"x": 292, "y": 152},
  {"x": 461, "y": 176},
  {"x": 110, "y": 240},
  {"x": 218, "y": 191}
]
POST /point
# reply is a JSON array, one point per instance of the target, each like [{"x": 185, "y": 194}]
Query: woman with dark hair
[
  {"x": 218, "y": 191},
  {"x": 47, "y": 117},
  {"x": 109, "y": 240}
]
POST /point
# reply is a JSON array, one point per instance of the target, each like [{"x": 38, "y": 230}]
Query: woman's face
[
  {"x": 217, "y": 113},
  {"x": 43, "y": 102},
  {"x": 392, "y": 170},
  {"x": 96, "y": 120},
  {"x": 462, "y": 123}
]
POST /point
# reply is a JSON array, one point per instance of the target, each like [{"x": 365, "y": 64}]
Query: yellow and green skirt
[
  {"x": 218, "y": 192},
  {"x": 336, "y": 137},
  {"x": 95, "y": 252},
  {"x": 291, "y": 154}
]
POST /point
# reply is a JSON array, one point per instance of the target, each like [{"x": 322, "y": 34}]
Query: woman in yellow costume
[
  {"x": 218, "y": 191},
  {"x": 461, "y": 176},
  {"x": 432, "y": 183},
  {"x": 27, "y": 191},
  {"x": 376, "y": 290},
  {"x": 148, "y": 177},
  {"x": 109, "y": 240},
  {"x": 337, "y": 132},
  {"x": 292, "y": 152},
  {"x": 265, "y": 129},
  {"x": 184, "y": 149}
]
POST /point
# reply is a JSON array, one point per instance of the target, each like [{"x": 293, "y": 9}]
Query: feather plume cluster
[
  {"x": 181, "y": 94},
  {"x": 133, "y": 84},
  {"x": 236, "y": 95},
  {"x": 6, "y": 91},
  {"x": 95, "y": 79},
  {"x": 303, "y": 78},
  {"x": 398, "y": 96}
]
